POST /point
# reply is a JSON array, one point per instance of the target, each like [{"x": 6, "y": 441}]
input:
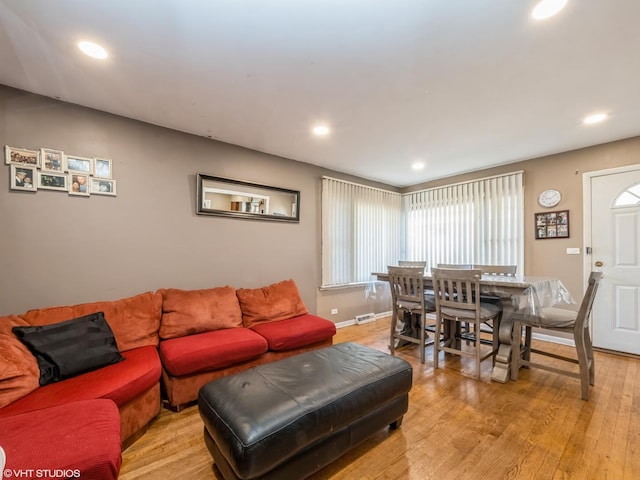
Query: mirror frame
[{"x": 238, "y": 184}]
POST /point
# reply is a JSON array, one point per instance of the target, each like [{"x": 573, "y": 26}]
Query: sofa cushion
[
  {"x": 278, "y": 301},
  {"x": 19, "y": 371},
  {"x": 135, "y": 320},
  {"x": 72, "y": 347},
  {"x": 120, "y": 382},
  {"x": 295, "y": 332},
  {"x": 61, "y": 439},
  {"x": 185, "y": 312},
  {"x": 210, "y": 350}
]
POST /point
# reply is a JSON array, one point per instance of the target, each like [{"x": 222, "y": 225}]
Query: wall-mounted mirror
[{"x": 235, "y": 198}]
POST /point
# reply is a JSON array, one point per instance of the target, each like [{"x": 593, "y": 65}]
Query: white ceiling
[{"x": 459, "y": 84}]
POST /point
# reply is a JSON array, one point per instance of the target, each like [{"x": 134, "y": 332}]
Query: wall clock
[{"x": 549, "y": 198}]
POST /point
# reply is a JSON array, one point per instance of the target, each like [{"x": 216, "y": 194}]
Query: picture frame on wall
[
  {"x": 102, "y": 168},
  {"x": 23, "y": 177},
  {"x": 81, "y": 165},
  {"x": 103, "y": 186},
  {"x": 52, "y": 160},
  {"x": 79, "y": 185},
  {"x": 552, "y": 224},
  {"x": 21, "y": 156},
  {"x": 53, "y": 181}
]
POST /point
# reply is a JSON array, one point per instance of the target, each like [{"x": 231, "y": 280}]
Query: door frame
[{"x": 586, "y": 213}]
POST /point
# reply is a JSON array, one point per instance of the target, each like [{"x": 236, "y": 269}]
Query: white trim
[
  {"x": 343, "y": 286},
  {"x": 346, "y": 323}
]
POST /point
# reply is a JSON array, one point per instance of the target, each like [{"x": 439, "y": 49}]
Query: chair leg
[
  {"x": 478, "y": 350},
  {"x": 436, "y": 342},
  {"x": 592, "y": 363},
  {"x": 392, "y": 337},
  {"x": 422, "y": 324},
  {"x": 527, "y": 343},
  {"x": 583, "y": 363}
]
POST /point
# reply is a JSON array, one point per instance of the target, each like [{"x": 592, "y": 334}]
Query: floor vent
[{"x": 366, "y": 318}]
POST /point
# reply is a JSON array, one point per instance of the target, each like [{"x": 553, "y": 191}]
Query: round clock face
[{"x": 549, "y": 198}]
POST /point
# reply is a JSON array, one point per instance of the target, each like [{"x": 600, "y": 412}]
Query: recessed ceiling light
[
  {"x": 321, "y": 130},
  {"x": 417, "y": 166},
  {"x": 595, "y": 118},
  {"x": 547, "y": 8},
  {"x": 93, "y": 50}
]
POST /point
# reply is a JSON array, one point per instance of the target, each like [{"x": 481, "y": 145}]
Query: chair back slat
[
  {"x": 587, "y": 301},
  {"x": 413, "y": 263},
  {"x": 458, "y": 266},
  {"x": 457, "y": 288},
  {"x": 407, "y": 284},
  {"x": 506, "y": 270}
]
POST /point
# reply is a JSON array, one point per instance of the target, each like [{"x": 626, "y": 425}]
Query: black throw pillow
[{"x": 72, "y": 347}]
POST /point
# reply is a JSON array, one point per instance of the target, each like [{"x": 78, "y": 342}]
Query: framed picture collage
[{"x": 49, "y": 169}]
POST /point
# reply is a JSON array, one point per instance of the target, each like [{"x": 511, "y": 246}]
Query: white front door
[{"x": 615, "y": 241}]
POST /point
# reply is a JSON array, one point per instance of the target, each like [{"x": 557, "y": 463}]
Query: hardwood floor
[{"x": 456, "y": 427}]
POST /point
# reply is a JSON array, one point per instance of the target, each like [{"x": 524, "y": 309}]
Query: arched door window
[{"x": 629, "y": 197}]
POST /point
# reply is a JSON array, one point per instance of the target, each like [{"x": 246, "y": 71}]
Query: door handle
[{"x": 598, "y": 263}]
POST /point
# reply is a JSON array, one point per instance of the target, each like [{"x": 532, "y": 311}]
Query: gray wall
[{"x": 58, "y": 249}]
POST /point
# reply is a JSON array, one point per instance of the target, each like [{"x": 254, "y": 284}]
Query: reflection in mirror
[{"x": 235, "y": 198}]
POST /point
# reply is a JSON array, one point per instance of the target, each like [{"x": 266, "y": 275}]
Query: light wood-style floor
[{"x": 456, "y": 427}]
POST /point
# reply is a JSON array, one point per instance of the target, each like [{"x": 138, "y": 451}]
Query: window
[
  {"x": 365, "y": 229},
  {"x": 477, "y": 222},
  {"x": 630, "y": 197},
  {"x": 361, "y": 231}
]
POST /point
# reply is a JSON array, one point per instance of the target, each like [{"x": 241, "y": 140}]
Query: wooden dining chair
[
  {"x": 457, "y": 294},
  {"x": 408, "y": 302},
  {"x": 558, "y": 320},
  {"x": 499, "y": 271}
]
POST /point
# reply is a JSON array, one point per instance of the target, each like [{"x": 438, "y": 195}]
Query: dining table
[{"x": 516, "y": 292}]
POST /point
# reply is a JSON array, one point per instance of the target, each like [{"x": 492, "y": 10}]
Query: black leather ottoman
[{"x": 290, "y": 418}]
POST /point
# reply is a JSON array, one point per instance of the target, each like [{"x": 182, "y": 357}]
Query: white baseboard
[
  {"x": 554, "y": 339},
  {"x": 348, "y": 323}
]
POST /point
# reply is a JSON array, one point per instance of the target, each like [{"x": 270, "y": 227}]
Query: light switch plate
[{"x": 573, "y": 251}]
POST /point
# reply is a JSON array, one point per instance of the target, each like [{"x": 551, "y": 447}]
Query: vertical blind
[
  {"x": 479, "y": 222},
  {"x": 361, "y": 231},
  {"x": 365, "y": 229}
]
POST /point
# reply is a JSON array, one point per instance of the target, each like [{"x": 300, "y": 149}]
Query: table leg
[{"x": 500, "y": 371}]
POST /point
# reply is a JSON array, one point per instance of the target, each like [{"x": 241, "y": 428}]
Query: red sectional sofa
[
  {"x": 180, "y": 339},
  {"x": 238, "y": 329}
]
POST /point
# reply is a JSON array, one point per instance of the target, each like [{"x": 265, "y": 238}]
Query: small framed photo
[
  {"x": 79, "y": 184},
  {"x": 552, "y": 224},
  {"x": 83, "y": 165},
  {"x": 23, "y": 177},
  {"x": 21, "y": 156},
  {"x": 53, "y": 181},
  {"x": 103, "y": 186},
  {"x": 102, "y": 168},
  {"x": 53, "y": 160}
]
